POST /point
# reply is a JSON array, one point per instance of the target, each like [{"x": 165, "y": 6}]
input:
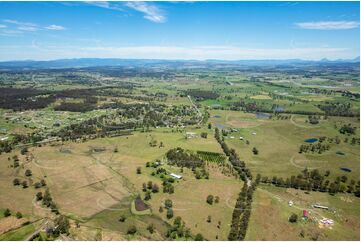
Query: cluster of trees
[
  {"x": 168, "y": 186},
  {"x": 182, "y": 158},
  {"x": 8, "y": 145},
  {"x": 19, "y": 99},
  {"x": 149, "y": 188},
  {"x": 319, "y": 148},
  {"x": 347, "y": 129},
  {"x": 179, "y": 231},
  {"x": 237, "y": 164},
  {"x": 242, "y": 213},
  {"x": 201, "y": 173},
  {"x": 167, "y": 181},
  {"x": 338, "y": 109},
  {"x": 315, "y": 181},
  {"x": 210, "y": 199},
  {"x": 47, "y": 201},
  {"x": 7, "y": 213},
  {"x": 201, "y": 94},
  {"x": 62, "y": 225},
  {"x": 313, "y": 119},
  {"x": 168, "y": 204},
  {"x": 242, "y": 209}
]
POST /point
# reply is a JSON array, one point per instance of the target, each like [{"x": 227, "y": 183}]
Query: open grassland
[
  {"x": 270, "y": 213},
  {"x": 278, "y": 142},
  {"x": 18, "y": 234},
  {"x": 89, "y": 181}
]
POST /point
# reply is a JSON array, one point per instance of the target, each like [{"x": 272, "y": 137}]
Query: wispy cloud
[
  {"x": 23, "y": 26},
  {"x": 150, "y": 11},
  {"x": 329, "y": 25},
  {"x": 107, "y": 5},
  {"x": 55, "y": 27},
  {"x": 15, "y": 27}
]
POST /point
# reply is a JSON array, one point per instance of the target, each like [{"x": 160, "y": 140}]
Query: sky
[{"x": 179, "y": 30}]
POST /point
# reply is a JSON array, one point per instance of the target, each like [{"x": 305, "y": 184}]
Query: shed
[
  {"x": 190, "y": 135},
  {"x": 319, "y": 206},
  {"x": 175, "y": 176}
]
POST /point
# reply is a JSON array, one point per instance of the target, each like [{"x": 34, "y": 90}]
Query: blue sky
[{"x": 179, "y": 30}]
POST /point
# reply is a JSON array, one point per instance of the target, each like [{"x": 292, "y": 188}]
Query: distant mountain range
[{"x": 98, "y": 62}]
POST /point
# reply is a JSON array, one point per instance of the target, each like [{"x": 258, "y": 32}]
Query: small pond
[
  {"x": 311, "y": 140},
  {"x": 263, "y": 115},
  {"x": 345, "y": 169},
  {"x": 340, "y": 153},
  {"x": 220, "y": 126}
]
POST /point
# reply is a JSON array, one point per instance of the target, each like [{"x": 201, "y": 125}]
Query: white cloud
[
  {"x": 28, "y": 28},
  {"x": 151, "y": 11},
  {"x": 15, "y": 27},
  {"x": 23, "y": 26},
  {"x": 329, "y": 25},
  {"x": 107, "y": 5},
  {"x": 55, "y": 27}
]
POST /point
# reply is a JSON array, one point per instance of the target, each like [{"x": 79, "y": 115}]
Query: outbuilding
[{"x": 175, "y": 176}]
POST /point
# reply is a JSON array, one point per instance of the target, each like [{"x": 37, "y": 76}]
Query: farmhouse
[{"x": 175, "y": 176}]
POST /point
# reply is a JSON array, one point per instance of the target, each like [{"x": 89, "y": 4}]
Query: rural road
[{"x": 196, "y": 108}]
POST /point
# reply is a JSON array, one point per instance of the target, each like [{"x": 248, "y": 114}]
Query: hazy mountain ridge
[{"x": 94, "y": 62}]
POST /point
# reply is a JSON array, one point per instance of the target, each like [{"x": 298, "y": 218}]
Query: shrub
[
  {"x": 39, "y": 196},
  {"x": 198, "y": 237},
  {"x": 19, "y": 215},
  {"x": 170, "y": 213},
  {"x": 168, "y": 203},
  {"x": 293, "y": 218},
  {"x": 24, "y": 184},
  {"x": 7, "y": 212},
  {"x": 132, "y": 230},
  {"x": 16, "y": 182},
  {"x": 150, "y": 228},
  {"x": 210, "y": 199},
  {"x": 28, "y": 173}
]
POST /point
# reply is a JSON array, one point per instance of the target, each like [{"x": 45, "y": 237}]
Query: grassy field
[
  {"x": 278, "y": 143},
  {"x": 85, "y": 183},
  {"x": 18, "y": 234},
  {"x": 270, "y": 213}
]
